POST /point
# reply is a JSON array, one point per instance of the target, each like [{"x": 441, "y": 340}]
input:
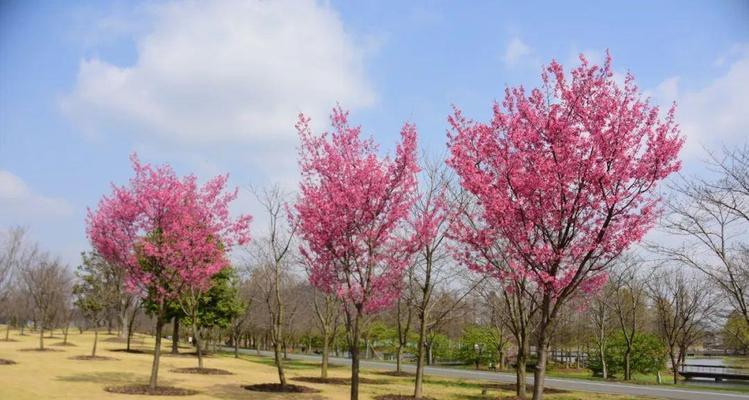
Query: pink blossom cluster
[
  {"x": 168, "y": 233},
  {"x": 565, "y": 175},
  {"x": 352, "y": 205}
]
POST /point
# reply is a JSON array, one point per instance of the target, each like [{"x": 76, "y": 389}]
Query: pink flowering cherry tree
[
  {"x": 566, "y": 176},
  {"x": 351, "y": 209},
  {"x": 170, "y": 235}
]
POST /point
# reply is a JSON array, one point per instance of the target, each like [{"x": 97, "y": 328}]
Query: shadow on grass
[
  {"x": 112, "y": 378},
  {"x": 237, "y": 392},
  {"x": 289, "y": 364},
  {"x": 487, "y": 385}
]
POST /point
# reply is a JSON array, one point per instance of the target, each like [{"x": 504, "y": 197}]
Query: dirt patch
[
  {"x": 395, "y": 373},
  {"x": 278, "y": 388},
  {"x": 133, "y": 351},
  {"x": 202, "y": 371},
  {"x": 338, "y": 381},
  {"x": 6, "y": 362},
  {"x": 46, "y": 349},
  {"x": 94, "y": 358},
  {"x": 114, "y": 340},
  {"x": 146, "y": 390},
  {"x": 63, "y": 344},
  {"x": 8, "y": 340},
  {"x": 186, "y": 354},
  {"x": 400, "y": 397}
]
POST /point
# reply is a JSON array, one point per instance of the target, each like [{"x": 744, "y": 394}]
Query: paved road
[{"x": 556, "y": 383}]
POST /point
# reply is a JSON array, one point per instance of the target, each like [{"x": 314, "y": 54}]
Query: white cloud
[
  {"x": 225, "y": 71},
  {"x": 716, "y": 114},
  {"x": 19, "y": 203},
  {"x": 516, "y": 52}
]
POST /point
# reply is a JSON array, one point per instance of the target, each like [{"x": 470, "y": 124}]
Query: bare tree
[
  {"x": 712, "y": 216},
  {"x": 683, "y": 305},
  {"x": 47, "y": 282},
  {"x": 434, "y": 267},
  {"x": 327, "y": 311},
  {"x": 404, "y": 316},
  {"x": 627, "y": 303},
  {"x": 96, "y": 290},
  {"x": 240, "y": 321},
  {"x": 14, "y": 251},
  {"x": 271, "y": 255},
  {"x": 601, "y": 321}
]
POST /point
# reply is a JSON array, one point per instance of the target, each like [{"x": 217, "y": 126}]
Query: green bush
[{"x": 649, "y": 355}]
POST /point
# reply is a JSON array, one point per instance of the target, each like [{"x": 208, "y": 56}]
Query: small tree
[
  {"x": 96, "y": 291},
  {"x": 351, "y": 206},
  {"x": 169, "y": 235},
  {"x": 47, "y": 282},
  {"x": 566, "y": 178},
  {"x": 683, "y": 304},
  {"x": 477, "y": 346},
  {"x": 271, "y": 254},
  {"x": 647, "y": 355},
  {"x": 327, "y": 311}
]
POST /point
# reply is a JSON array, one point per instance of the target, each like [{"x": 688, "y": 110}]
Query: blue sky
[{"x": 214, "y": 87}]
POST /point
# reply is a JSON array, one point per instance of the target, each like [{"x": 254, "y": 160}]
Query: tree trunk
[
  {"x": 279, "y": 362},
  {"x": 325, "y": 355},
  {"x": 157, "y": 349},
  {"x": 418, "y": 386},
  {"x": 7, "y": 332},
  {"x": 604, "y": 367},
  {"x": 430, "y": 356},
  {"x": 520, "y": 374},
  {"x": 130, "y": 324},
  {"x": 123, "y": 317},
  {"x": 539, "y": 374},
  {"x": 196, "y": 340},
  {"x": 237, "y": 338},
  {"x": 675, "y": 368},
  {"x": 398, "y": 354},
  {"x": 96, "y": 339},
  {"x": 627, "y": 363},
  {"x": 175, "y": 336},
  {"x": 355, "y": 357},
  {"x": 65, "y": 333},
  {"x": 41, "y": 337}
]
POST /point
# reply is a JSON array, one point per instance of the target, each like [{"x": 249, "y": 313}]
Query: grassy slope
[{"x": 51, "y": 375}]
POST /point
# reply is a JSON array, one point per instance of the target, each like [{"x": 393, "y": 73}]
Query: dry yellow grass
[{"x": 53, "y": 375}]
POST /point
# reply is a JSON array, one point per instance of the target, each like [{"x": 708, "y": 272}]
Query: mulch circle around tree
[
  {"x": 8, "y": 340},
  {"x": 278, "y": 388},
  {"x": 395, "y": 373},
  {"x": 202, "y": 371},
  {"x": 146, "y": 390},
  {"x": 63, "y": 344},
  {"x": 6, "y": 362},
  {"x": 338, "y": 381},
  {"x": 400, "y": 397},
  {"x": 132, "y": 351},
  {"x": 94, "y": 358},
  {"x": 46, "y": 349}
]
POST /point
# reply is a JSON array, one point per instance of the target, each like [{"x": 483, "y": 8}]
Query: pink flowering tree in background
[
  {"x": 352, "y": 205},
  {"x": 566, "y": 177},
  {"x": 170, "y": 235}
]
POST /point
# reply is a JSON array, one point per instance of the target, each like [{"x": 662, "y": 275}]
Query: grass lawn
[
  {"x": 54, "y": 375},
  {"x": 651, "y": 379}
]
